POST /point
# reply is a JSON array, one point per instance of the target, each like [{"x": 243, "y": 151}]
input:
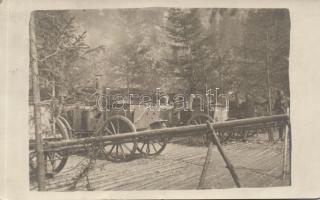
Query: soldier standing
[
  {"x": 233, "y": 106},
  {"x": 247, "y": 107},
  {"x": 281, "y": 105}
]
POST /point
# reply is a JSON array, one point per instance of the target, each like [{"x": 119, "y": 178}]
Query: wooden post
[
  {"x": 225, "y": 158},
  {"x": 36, "y": 99},
  {"x": 270, "y": 135},
  {"x": 53, "y": 107},
  {"x": 207, "y": 162},
  {"x": 285, "y": 154},
  {"x": 287, "y": 141},
  {"x": 290, "y": 147},
  {"x": 98, "y": 84}
]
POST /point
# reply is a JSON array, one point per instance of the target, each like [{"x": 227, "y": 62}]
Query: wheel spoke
[
  {"x": 111, "y": 149},
  {"x": 159, "y": 144},
  {"x": 148, "y": 147},
  {"x": 59, "y": 155},
  {"x": 46, "y": 162},
  {"x": 155, "y": 150},
  {"x": 118, "y": 126},
  {"x": 117, "y": 150},
  {"x": 52, "y": 161},
  {"x": 112, "y": 126},
  {"x": 123, "y": 154},
  {"x": 143, "y": 146},
  {"x": 108, "y": 130},
  {"x": 102, "y": 150},
  {"x": 125, "y": 145}
]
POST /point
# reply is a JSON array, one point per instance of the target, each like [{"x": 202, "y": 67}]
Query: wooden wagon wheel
[
  {"x": 152, "y": 147},
  {"x": 121, "y": 151},
  {"x": 54, "y": 161},
  {"x": 200, "y": 118}
]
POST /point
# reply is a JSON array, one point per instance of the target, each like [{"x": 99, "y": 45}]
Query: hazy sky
[
  {"x": 102, "y": 26},
  {"x": 99, "y": 24}
]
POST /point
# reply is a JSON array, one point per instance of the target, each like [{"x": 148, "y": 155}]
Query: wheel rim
[
  {"x": 196, "y": 120},
  {"x": 120, "y": 151},
  {"x": 199, "y": 119},
  {"x": 53, "y": 161},
  {"x": 152, "y": 147}
]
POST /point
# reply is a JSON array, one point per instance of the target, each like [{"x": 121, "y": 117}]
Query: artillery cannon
[{"x": 80, "y": 122}]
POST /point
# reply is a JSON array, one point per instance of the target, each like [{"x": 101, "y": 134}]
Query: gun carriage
[{"x": 88, "y": 121}]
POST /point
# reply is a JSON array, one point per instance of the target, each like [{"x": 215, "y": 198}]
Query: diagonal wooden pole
[
  {"x": 216, "y": 141},
  {"x": 206, "y": 165}
]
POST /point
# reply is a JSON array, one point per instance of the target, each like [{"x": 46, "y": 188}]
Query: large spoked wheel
[
  {"x": 118, "y": 151},
  {"x": 152, "y": 147},
  {"x": 54, "y": 162},
  {"x": 197, "y": 119}
]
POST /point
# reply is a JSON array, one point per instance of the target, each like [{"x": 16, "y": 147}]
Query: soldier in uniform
[
  {"x": 247, "y": 108},
  {"x": 233, "y": 106}
]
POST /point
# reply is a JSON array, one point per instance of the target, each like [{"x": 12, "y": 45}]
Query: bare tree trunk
[
  {"x": 36, "y": 99},
  {"x": 269, "y": 90},
  {"x": 127, "y": 80},
  {"x": 268, "y": 76}
]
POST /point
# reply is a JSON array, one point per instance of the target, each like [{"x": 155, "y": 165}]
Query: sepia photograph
[{"x": 159, "y": 99}]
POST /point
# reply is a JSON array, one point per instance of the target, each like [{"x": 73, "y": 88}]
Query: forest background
[{"x": 177, "y": 50}]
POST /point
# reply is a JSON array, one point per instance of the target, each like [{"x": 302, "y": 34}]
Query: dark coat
[
  {"x": 280, "y": 105},
  {"x": 233, "y": 112},
  {"x": 247, "y": 109}
]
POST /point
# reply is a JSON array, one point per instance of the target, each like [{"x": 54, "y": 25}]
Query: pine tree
[
  {"x": 266, "y": 44},
  {"x": 59, "y": 45},
  {"x": 184, "y": 30},
  {"x": 137, "y": 61}
]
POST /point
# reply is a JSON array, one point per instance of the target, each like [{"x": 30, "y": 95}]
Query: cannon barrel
[{"x": 168, "y": 132}]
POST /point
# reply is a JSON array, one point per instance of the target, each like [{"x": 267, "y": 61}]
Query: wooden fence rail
[
  {"x": 209, "y": 129},
  {"x": 168, "y": 132}
]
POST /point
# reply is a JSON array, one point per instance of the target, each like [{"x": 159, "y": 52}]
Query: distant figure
[
  {"x": 281, "y": 105},
  {"x": 233, "y": 106},
  {"x": 247, "y": 108}
]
